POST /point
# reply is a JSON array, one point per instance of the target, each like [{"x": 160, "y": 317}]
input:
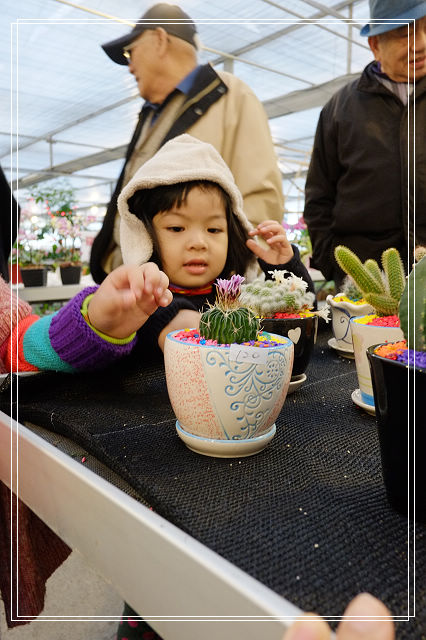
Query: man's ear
[
  {"x": 373, "y": 42},
  {"x": 162, "y": 40}
]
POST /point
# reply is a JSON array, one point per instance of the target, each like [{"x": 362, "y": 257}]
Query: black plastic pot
[
  {"x": 303, "y": 340},
  {"x": 70, "y": 274},
  {"x": 34, "y": 277},
  {"x": 399, "y": 395}
]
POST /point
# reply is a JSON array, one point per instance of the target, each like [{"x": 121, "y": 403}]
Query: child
[
  {"x": 94, "y": 328},
  {"x": 183, "y": 211}
]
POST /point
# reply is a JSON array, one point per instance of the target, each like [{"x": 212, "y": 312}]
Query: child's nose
[{"x": 197, "y": 240}]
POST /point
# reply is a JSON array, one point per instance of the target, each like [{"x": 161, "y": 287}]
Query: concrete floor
[{"x": 74, "y": 589}]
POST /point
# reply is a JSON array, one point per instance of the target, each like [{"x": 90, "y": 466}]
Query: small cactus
[
  {"x": 412, "y": 308},
  {"x": 350, "y": 289},
  {"x": 382, "y": 292},
  {"x": 279, "y": 295},
  {"x": 227, "y": 321}
]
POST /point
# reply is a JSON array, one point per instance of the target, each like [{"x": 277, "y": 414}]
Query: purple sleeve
[{"x": 77, "y": 344}]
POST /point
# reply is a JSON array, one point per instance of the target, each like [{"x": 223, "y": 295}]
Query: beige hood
[{"x": 182, "y": 159}]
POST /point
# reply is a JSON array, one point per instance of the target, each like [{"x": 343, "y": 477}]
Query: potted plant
[
  {"x": 398, "y": 372},
  {"x": 344, "y": 305},
  {"x": 383, "y": 292},
  {"x": 285, "y": 308},
  {"x": 27, "y": 251},
  {"x": 227, "y": 381},
  {"x": 59, "y": 203}
]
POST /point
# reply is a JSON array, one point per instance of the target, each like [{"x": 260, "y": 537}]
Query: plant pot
[
  {"x": 301, "y": 331},
  {"x": 34, "y": 276},
  {"x": 70, "y": 274},
  {"x": 398, "y": 393},
  {"x": 226, "y": 399},
  {"x": 341, "y": 313},
  {"x": 15, "y": 274},
  {"x": 363, "y": 336}
]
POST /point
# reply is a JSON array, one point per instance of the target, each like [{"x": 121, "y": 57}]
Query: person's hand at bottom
[{"x": 361, "y": 621}]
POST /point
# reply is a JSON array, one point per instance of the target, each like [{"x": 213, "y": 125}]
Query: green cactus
[
  {"x": 234, "y": 325},
  {"x": 383, "y": 293},
  {"x": 279, "y": 295},
  {"x": 412, "y": 308},
  {"x": 227, "y": 321},
  {"x": 393, "y": 267},
  {"x": 374, "y": 270}
]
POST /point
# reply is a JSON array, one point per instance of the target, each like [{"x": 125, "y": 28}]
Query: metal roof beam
[
  {"x": 306, "y": 98},
  {"x": 282, "y": 32},
  {"x": 68, "y": 168}
]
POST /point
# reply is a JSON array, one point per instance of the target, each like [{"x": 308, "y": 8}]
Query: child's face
[{"x": 193, "y": 239}]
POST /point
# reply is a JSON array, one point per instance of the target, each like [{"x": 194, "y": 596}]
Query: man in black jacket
[
  {"x": 184, "y": 97},
  {"x": 366, "y": 184}
]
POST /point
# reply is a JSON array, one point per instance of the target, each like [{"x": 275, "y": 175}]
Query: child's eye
[
  {"x": 214, "y": 230},
  {"x": 175, "y": 229}
]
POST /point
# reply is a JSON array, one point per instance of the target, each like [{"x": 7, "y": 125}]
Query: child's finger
[{"x": 255, "y": 248}]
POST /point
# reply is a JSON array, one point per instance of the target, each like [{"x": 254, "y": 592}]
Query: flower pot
[
  {"x": 398, "y": 393},
  {"x": 226, "y": 398},
  {"x": 301, "y": 331},
  {"x": 70, "y": 274},
  {"x": 15, "y": 273},
  {"x": 34, "y": 276},
  {"x": 341, "y": 313},
  {"x": 363, "y": 336}
]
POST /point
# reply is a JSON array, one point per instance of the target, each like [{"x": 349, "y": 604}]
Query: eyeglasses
[{"x": 127, "y": 51}]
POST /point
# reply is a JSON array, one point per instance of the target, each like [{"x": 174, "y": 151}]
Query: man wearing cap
[
  {"x": 184, "y": 97},
  {"x": 366, "y": 184}
]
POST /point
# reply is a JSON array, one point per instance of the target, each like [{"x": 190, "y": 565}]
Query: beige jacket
[{"x": 237, "y": 126}]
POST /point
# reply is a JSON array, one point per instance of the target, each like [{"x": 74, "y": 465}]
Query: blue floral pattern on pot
[{"x": 250, "y": 388}]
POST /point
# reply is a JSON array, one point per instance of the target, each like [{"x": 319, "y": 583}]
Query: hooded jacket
[
  {"x": 183, "y": 159},
  {"x": 361, "y": 185}
]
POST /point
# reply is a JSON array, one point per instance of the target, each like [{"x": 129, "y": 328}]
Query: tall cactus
[
  {"x": 382, "y": 293},
  {"x": 226, "y": 321},
  {"x": 412, "y": 309}
]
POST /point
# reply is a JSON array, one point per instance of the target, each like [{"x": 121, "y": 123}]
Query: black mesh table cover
[{"x": 308, "y": 516}]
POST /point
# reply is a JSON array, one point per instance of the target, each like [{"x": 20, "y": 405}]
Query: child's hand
[
  {"x": 127, "y": 297},
  {"x": 279, "y": 251}
]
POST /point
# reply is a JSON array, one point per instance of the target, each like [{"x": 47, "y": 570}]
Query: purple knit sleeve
[{"x": 76, "y": 343}]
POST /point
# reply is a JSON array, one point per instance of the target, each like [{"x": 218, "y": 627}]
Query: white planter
[
  {"x": 226, "y": 399},
  {"x": 341, "y": 313},
  {"x": 364, "y": 336}
]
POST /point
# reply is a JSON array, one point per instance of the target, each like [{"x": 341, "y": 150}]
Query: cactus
[
  {"x": 383, "y": 293},
  {"x": 350, "y": 289},
  {"x": 279, "y": 295},
  {"x": 227, "y": 321},
  {"x": 412, "y": 308}
]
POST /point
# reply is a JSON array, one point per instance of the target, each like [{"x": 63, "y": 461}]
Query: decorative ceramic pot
[
  {"x": 301, "y": 331},
  {"x": 226, "y": 399},
  {"x": 70, "y": 274},
  {"x": 341, "y": 313},
  {"x": 34, "y": 276},
  {"x": 363, "y": 336},
  {"x": 398, "y": 393}
]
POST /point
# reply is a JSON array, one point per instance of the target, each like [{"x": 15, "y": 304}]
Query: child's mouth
[{"x": 195, "y": 267}]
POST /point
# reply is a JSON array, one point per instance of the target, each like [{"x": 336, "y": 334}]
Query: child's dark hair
[{"x": 145, "y": 204}]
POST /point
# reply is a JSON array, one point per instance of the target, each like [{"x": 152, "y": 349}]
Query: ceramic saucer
[
  {"x": 345, "y": 352},
  {"x": 225, "y": 448},
  {"x": 296, "y": 382},
  {"x": 357, "y": 399}
]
